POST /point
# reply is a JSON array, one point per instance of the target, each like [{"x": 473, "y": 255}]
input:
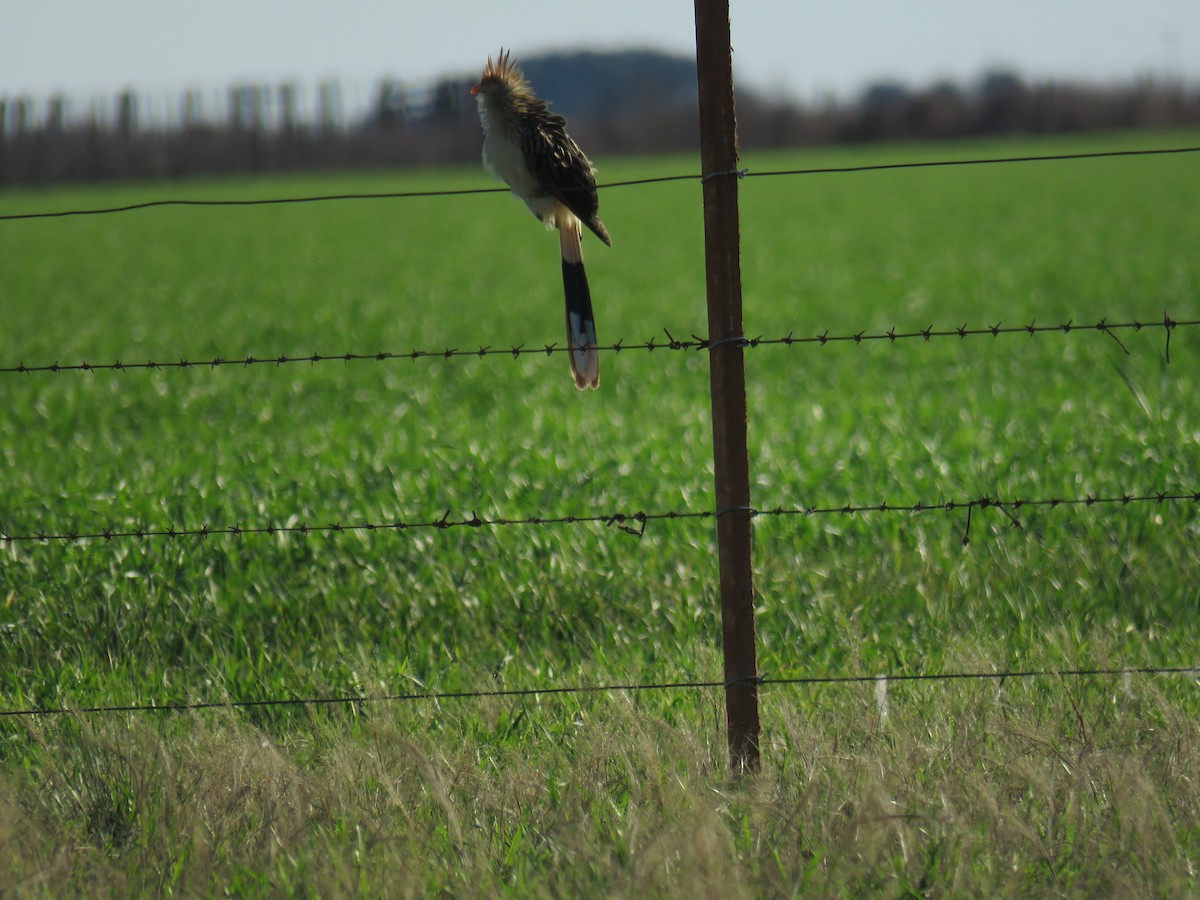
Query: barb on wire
[
  {"x": 441, "y": 696},
  {"x": 629, "y": 523},
  {"x": 695, "y": 342},
  {"x": 741, "y": 173}
]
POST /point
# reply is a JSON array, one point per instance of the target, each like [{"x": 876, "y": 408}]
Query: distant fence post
[
  {"x": 289, "y": 114},
  {"x": 329, "y": 106},
  {"x": 727, "y": 376},
  {"x": 127, "y": 113}
]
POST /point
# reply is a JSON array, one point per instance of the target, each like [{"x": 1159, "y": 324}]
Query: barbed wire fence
[
  {"x": 695, "y": 342},
  {"x": 632, "y": 523}
]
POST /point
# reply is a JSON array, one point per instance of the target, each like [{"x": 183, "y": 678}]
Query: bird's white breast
[{"x": 504, "y": 157}]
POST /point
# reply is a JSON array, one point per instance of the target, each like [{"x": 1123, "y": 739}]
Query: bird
[{"x": 527, "y": 146}]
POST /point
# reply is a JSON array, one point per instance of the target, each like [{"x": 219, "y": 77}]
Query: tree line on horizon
[{"x": 624, "y": 102}]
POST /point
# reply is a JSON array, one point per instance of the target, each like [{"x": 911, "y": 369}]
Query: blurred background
[{"x": 133, "y": 88}]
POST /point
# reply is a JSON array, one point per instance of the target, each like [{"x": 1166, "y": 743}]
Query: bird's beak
[{"x": 477, "y": 88}]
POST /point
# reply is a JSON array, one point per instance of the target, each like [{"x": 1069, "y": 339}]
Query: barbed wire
[
  {"x": 457, "y": 192},
  {"x": 695, "y": 342},
  {"x": 758, "y": 680},
  {"x": 631, "y": 523}
]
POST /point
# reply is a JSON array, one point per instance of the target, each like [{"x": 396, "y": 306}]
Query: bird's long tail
[{"x": 581, "y": 324}]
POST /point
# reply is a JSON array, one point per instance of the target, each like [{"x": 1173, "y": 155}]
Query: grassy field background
[{"x": 1028, "y": 786}]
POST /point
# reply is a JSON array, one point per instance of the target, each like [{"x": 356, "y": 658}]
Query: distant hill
[{"x": 593, "y": 84}]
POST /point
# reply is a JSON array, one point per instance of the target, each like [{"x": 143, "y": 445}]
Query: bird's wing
[{"x": 559, "y": 164}]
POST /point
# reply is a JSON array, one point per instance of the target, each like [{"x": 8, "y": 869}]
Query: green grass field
[{"x": 1078, "y": 786}]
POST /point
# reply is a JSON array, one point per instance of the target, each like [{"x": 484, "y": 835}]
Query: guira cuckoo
[{"x": 527, "y": 146}]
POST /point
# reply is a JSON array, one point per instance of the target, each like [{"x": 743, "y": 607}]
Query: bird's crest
[{"x": 503, "y": 69}]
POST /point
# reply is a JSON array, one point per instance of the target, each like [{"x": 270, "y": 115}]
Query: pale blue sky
[{"x": 85, "y": 47}]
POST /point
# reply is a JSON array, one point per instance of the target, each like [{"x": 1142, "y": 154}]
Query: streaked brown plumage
[{"x": 527, "y": 146}]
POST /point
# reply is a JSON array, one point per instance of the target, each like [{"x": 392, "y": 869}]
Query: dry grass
[{"x": 1079, "y": 788}]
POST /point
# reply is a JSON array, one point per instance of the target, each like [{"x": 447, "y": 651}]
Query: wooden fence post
[{"x": 727, "y": 374}]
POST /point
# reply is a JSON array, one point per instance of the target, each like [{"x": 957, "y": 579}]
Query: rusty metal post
[{"x": 727, "y": 374}]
